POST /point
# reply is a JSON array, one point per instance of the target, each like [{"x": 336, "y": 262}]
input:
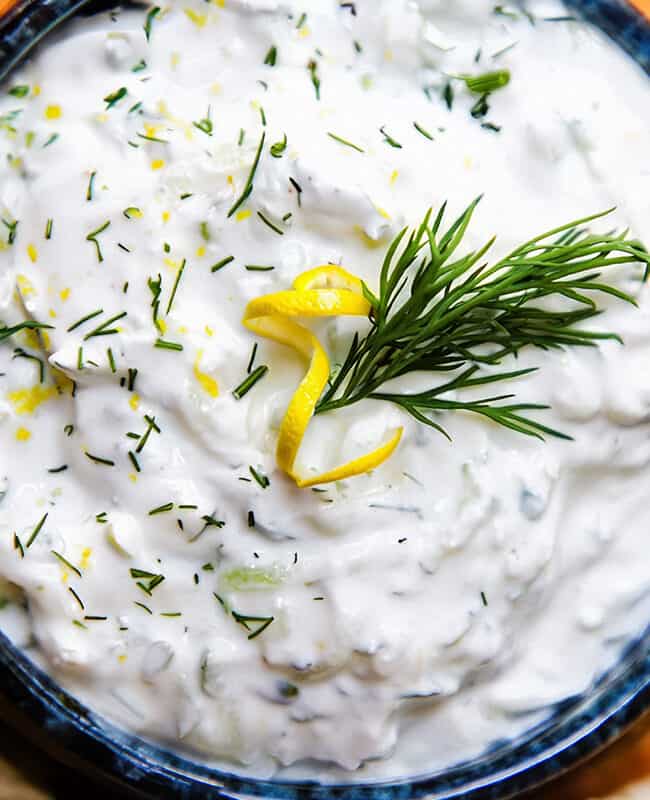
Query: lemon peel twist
[{"x": 320, "y": 292}]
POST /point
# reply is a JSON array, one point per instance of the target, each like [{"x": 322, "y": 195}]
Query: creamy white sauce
[{"x": 419, "y": 612}]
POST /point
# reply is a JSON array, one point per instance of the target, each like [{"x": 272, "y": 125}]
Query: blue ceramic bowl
[{"x": 574, "y": 729}]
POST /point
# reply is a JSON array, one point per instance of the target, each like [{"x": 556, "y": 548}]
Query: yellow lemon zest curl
[{"x": 321, "y": 292}]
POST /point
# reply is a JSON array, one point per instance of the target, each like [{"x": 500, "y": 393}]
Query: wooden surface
[{"x": 620, "y": 773}]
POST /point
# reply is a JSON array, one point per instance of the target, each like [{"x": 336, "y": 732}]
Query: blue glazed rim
[{"x": 575, "y": 729}]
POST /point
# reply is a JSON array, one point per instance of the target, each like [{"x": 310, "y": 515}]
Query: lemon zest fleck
[
  {"x": 85, "y": 557},
  {"x": 25, "y": 286},
  {"x": 200, "y": 251},
  {"x": 134, "y": 401},
  {"x": 64, "y": 294},
  {"x": 23, "y": 435},
  {"x": 207, "y": 382},
  {"x": 53, "y": 112},
  {"x": 243, "y": 214},
  {"x": 26, "y": 401},
  {"x": 157, "y": 163},
  {"x": 198, "y": 19}
]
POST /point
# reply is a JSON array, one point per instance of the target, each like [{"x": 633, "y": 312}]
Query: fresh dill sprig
[{"x": 439, "y": 315}]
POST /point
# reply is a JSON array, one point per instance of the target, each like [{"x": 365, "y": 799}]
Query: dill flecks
[
  {"x": 104, "y": 329},
  {"x": 86, "y": 318},
  {"x": 98, "y": 460},
  {"x": 439, "y": 315},
  {"x": 221, "y": 264},
  {"x": 278, "y": 148},
  {"x": 248, "y": 188},
  {"x": 149, "y": 21},
  {"x": 247, "y": 384},
  {"x": 161, "y": 509},
  {"x": 29, "y": 325},
  {"x": 114, "y": 97},
  {"x": 245, "y": 621},
  {"x": 312, "y": 67},
  {"x": 260, "y": 477},
  {"x": 271, "y": 57},
  {"x": 162, "y": 344},
  {"x": 36, "y": 531},
  {"x": 488, "y": 82},
  {"x": 20, "y": 353},
  {"x": 205, "y": 124},
  {"x": 66, "y": 563},
  {"x": 179, "y": 275},
  {"x": 92, "y": 237},
  {"x": 345, "y": 142},
  {"x": 388, "y": 139},
  {"x": 422, "y": 131},
  {"x": 91, "y": 186},
  {"x": 270, "y": 224}
]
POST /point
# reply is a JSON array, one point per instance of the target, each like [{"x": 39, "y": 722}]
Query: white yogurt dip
[{"x": 421, "y": 611}]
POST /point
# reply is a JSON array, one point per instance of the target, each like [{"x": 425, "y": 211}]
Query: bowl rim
[{"x": 71, "y": 733}]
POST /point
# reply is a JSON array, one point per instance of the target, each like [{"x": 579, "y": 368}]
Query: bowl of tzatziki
[{"x": 325, "y": 391}]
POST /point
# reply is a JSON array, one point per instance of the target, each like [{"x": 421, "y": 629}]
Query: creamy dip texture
[{"x": 402, "y": 619}]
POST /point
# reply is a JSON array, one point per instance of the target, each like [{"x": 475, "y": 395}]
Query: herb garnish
[
  {"x": 271, "y": 57},
  {"x": 98, "y": 460},
  {"x": 440, "y": 315},
  {"x": 270, "y": 224},
  {"x": 260, "y": 477},
  {"x": 488, "y": 82},
  {"x": 20, "y": 353},
  {"x": 28, "y": 325},
  {"x": 36, "y": 531},
  {"x": 248, "y": 188},
  {"x": 92, "y": 236},
  {"x": 346, "y": 142},
  {"x": 149, "y": 21},
  {"x": 247, "y": 384},
  {"x": 220, "y": 264},
  {"x": 389, "y": 139},
  {"x": 115, "y": 97},
  {"x": 66, "y": 563},
  {"x": 278, "y": 148}
]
